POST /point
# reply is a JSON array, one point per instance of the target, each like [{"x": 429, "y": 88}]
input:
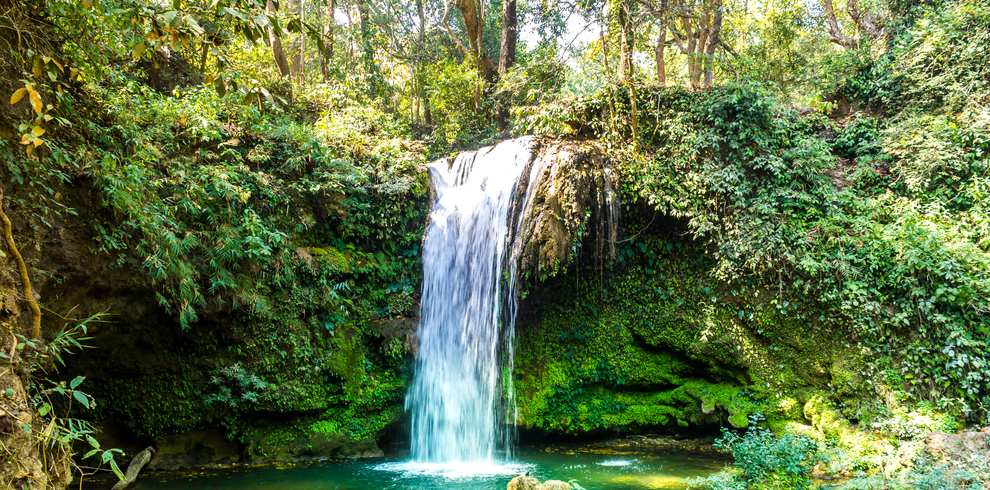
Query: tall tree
[
  {"x": 698, "y": 37},
  {"x": 472, "y": 12},
  {"x": 367, "y": 52},
  {"x": 661, "y": 13},
  {"x": 507, "y": 54},
  {"x": 276, "y": 43},
  {"x": 328, "y": 36},
  {"x": 420, "y": 58},
  {"x": 298, "y": 66},
  {"x": 510, "y": 26},
  {"x": 627, "y": 38}
]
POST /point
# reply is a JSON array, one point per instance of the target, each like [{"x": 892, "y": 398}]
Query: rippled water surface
[{"x": 592, "y": 467}]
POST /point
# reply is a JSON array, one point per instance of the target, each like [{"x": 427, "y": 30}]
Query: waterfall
[{"x": 459, "y": 403}]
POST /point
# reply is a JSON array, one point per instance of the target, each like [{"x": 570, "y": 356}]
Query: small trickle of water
[{"x": 457, "y": 399}]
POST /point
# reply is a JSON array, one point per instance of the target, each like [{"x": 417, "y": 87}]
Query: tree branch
[
  {"x": 835, "y": 34},
  {"x": 446, "y": 25}
]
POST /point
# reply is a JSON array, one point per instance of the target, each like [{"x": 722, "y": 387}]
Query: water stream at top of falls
[{"x": 459, "y": 403}]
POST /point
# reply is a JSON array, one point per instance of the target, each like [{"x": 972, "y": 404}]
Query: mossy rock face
[
  {"x": 655, "y": 340},
  {"x": 195, "y": 448},
  {"x": 289, "y": 443},
  {"x": 822, "y": 414}
]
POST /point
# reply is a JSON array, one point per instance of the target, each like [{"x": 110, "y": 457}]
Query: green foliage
[
  {"x": 754, "y": 181},
  {"x": 914, "y": 425},
  {"x": 235, "y": 386},
  {"x": 941, "y": 55},
  {"x": 765, "y": 460},
  {"x": 930, "y": 475},
  {"x": 858, "y": 139},
  {"x": 54, "y": 400}
]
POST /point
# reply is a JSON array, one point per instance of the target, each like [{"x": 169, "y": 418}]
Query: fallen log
[{"x": 135, "y": 467}]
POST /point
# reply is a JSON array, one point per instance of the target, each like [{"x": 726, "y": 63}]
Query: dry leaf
[
  {"x": 18, "y": 95},
  {"x": 36, "y": 101}
]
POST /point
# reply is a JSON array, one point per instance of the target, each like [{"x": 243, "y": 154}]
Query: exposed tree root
[{"x": 22, "y": 269}]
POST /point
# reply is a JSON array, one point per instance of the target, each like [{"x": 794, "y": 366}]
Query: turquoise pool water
[{"x": 594, "y": 467}]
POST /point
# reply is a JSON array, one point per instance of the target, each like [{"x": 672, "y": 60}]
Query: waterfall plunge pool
[{"x": 593, "y": 467}]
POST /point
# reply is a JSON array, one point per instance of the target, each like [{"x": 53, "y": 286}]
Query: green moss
[
  {"x": 662, "y": 342},
  {"x": 824, "y": 417}
]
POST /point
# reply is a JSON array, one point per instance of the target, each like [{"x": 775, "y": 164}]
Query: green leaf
[
  {"x": 116, "y": 470},
  {"x": 74, "y": 383},
  {"x": 81, "y": 398},
  {"x": 90, "y": 453},
  {"x": 44, "y": 409},
  {"x": 92, "y": 442}
]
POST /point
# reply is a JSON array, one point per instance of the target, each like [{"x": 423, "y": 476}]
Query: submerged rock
[{"x": 655, "y": 440}]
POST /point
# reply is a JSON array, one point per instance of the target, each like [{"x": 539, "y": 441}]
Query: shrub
[{"x": 764, "y": 460}]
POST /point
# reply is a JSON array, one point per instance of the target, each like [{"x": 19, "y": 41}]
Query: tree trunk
[
  {"x": 834, "y": 32},
  {"x": 660, "y": 56},
  {"x": 276, "y": 43},
  {"x": 627, "y": 42},
  {"x": 869, "y": 24},
  {"x": 423, "y": 98},
  {"x": 8, "y": 236},
  {"x": 367, "y": 54},
  {"x": 298, "y": 67},
  {"x": 714, "y": 32},
  {"x": 507, "y": 55},
  {"x": 510, "y": 25},
  {"x": 608, "y": 74},
  {"x": 473, "y": 24},
  {"x": 135, "y": 467},
  {"x": 328, "y": 41}
]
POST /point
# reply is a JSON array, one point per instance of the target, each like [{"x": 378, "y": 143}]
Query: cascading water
[{"x": 456, "y": 402}]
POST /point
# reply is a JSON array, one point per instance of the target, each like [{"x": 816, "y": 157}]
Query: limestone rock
[
  {"x": 957, "y": 447},
  {"x": 574, "y": 181},
  {"x": 553, "y": 485},
  {"x": 523, "y": 482}
]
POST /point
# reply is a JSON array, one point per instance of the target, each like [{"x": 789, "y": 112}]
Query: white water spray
[{"x": 459, "y": 403}]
